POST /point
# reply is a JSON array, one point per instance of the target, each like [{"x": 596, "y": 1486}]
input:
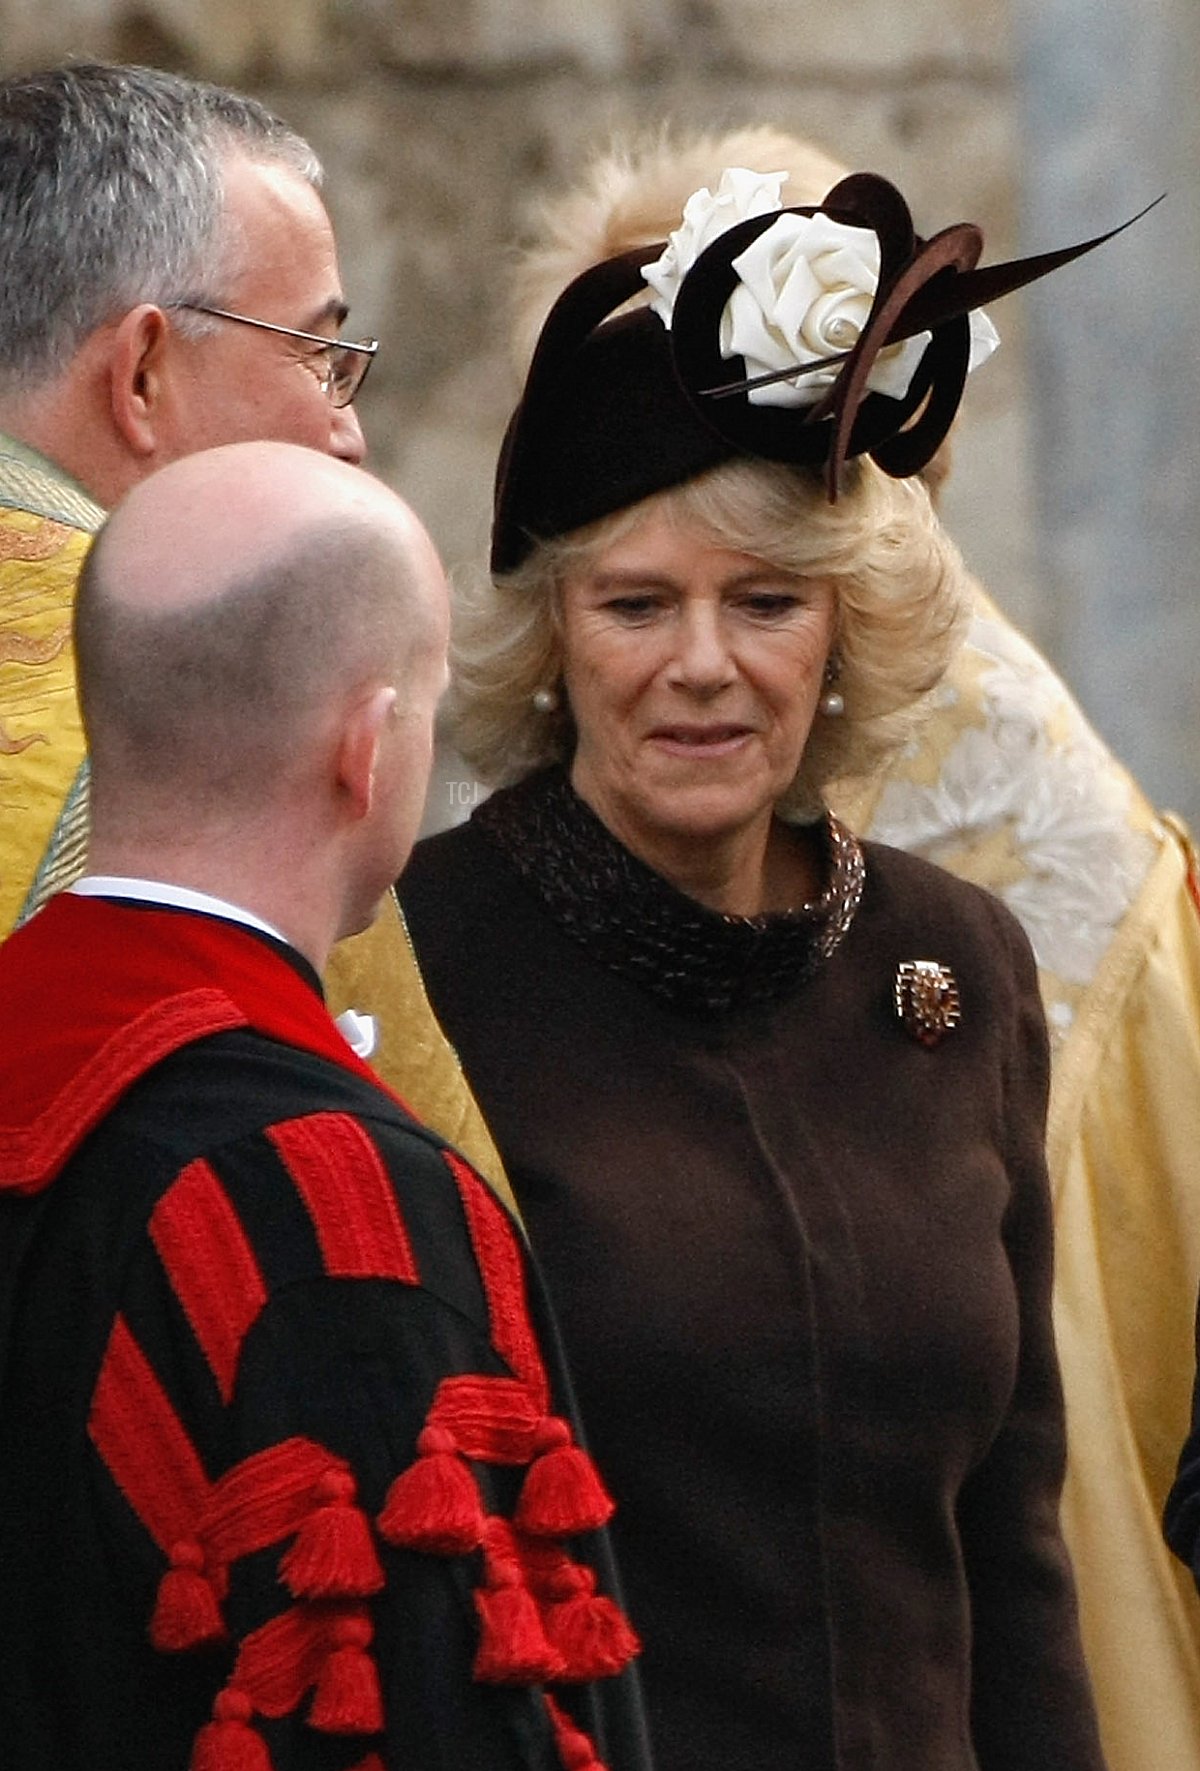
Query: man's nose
[{"x": 346, "y": 439}]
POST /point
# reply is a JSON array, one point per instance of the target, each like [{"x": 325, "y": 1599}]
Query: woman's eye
[
  {"x": 770, "y": 605},
  {"x": 632, "y": 609}
]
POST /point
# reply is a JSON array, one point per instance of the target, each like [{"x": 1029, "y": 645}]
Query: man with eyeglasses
[{"x": 168, "y": 282}]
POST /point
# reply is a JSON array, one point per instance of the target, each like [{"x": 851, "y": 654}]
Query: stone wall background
[{"x": 1074, "y": 494}]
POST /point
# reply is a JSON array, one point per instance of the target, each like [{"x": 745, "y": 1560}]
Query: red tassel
[
  {"x": 575, "y": 1749},
  {"x": 348, "y": 1699},
  {"x": 278, "y": 1662},
  {"x": 434, "y": 1505},
  {"x": 333, "y": 1556},
  {"x": 228, "y": 1742},
  {"x": 592, "y": 1634},
  {"x": 186, "y": 1612},
  {"x": 513, "y": 1649},
  {"x": 562, "y": 1492}
]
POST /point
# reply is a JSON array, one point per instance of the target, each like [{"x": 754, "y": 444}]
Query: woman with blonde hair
[
  {"x": 771, "y": 1098},
  {"x": 1006, "y": 783}
]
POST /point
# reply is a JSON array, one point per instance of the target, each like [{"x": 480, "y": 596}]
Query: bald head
[{"x": 232, "y": 605}]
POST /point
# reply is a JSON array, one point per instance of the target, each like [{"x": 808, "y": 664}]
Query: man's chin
[{"x": 358, "y": 920}]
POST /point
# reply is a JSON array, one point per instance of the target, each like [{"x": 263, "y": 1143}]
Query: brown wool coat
[{"x": 802, "y": 1266}]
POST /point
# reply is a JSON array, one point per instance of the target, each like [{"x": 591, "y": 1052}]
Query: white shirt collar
[{"x": 156, "y": 891}]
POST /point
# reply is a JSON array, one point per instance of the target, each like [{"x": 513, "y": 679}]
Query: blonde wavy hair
[{"x": 901, "y": 589}]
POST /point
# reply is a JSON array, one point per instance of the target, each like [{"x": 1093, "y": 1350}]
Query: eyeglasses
[{"x": 345, "y": 364}]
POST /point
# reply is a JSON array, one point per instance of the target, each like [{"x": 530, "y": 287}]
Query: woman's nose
[{"x": 702, "y": 660}]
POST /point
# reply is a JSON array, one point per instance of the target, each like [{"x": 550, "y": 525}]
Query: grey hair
[
  {"x": 111, "y": 194},
  {"x": 902, "y": 595}
]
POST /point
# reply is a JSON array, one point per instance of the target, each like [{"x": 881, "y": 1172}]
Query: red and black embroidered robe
[{"x": 284, "y": 1480}]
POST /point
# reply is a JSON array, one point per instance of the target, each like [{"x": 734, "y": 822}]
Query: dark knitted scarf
[{"x": 633, "y": 921}]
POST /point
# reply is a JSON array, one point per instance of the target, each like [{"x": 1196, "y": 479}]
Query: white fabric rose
[
  {"x": 706, "y": 217},
  {"x": 805, "y": 290}
]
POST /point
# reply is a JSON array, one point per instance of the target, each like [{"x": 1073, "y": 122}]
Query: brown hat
[{"x": 617, "y": 408}]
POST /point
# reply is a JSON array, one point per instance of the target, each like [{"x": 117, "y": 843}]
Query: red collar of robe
[{"x": 93, "y": 994}]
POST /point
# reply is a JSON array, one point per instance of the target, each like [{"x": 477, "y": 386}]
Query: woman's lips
[{"x": 700, "y": 741}]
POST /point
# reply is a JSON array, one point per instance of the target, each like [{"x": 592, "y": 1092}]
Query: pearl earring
[
  {"x": 544, "y": 700},
  {"x": 832, "y": 703}
]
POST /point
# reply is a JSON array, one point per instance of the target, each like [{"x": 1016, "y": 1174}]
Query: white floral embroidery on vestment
[{"x": 1037, "y": 777}]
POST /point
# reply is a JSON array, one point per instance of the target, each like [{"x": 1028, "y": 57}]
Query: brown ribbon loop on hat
[
  {"x": 956, "y": 248},
  {"x": 864, "y": 200}
]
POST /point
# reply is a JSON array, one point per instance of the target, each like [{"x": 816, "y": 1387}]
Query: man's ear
[
  {"x": 137, "y": 376},
  {"x": 358, "y": 748}
]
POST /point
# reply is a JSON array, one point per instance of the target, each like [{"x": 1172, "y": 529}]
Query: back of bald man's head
[{"x": 227, "y": 610}]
